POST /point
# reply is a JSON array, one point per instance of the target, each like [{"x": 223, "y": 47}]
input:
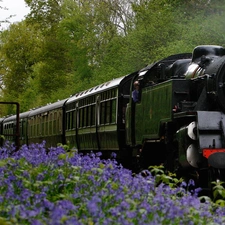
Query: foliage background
[{"x": 65, "y": 46}]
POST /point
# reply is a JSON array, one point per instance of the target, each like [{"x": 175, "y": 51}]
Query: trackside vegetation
[{"x": 55, "y": 186}]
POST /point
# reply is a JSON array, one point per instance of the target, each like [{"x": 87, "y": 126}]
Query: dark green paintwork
[{"x": 155, "y": 108}]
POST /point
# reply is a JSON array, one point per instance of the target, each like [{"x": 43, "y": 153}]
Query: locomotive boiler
[{"x": 178, "y": 120}]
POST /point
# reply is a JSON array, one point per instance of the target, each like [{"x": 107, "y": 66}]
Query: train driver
[{"x": 135, "y": 93}]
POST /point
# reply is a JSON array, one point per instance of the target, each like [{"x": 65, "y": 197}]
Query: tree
[
  {"x": 90, "y": 28},
  {"x": 52, "y": 70},
  {"x": 47, "y": 13},
  {"x": 19, "y": 50},
  {"x": 199, "y": 23},
  {"x": 167, "y": 27},
  {"x": 65, "y": 46}
]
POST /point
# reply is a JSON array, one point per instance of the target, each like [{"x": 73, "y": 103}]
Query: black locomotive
[{"x": 178, "y": 120}]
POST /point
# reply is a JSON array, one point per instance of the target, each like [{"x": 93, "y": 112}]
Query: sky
[{"x": 15, "y": 7}]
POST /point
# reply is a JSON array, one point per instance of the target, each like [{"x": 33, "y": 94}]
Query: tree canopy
[{"x": 65, "y": 46}]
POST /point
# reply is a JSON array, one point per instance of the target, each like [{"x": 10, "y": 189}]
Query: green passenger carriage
[
  {"x": 95, "y": 118},
  {"x": 9, "y": 127},
  {"x": 47, "y": 123}
]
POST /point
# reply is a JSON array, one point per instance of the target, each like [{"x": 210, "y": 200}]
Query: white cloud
[{"x": 17, "y": 8}]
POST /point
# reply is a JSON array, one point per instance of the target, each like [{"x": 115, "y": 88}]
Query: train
[{"x": 178, "y": 120}]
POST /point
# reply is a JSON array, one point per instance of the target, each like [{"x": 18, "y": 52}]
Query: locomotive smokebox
[
  {"x": 202, "y": 57},
  {"x": 207, "y": 50}
]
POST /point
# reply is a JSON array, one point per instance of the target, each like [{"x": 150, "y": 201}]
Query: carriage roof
[
  {"x": 48, "y": 107},
  {"x": 13, "y": 117},
  {"x": 97, "y": 89}
]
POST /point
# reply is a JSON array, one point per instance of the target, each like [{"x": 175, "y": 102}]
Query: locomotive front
[{"x": 202, "y": 142}]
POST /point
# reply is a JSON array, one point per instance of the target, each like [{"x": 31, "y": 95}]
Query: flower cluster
[{"x": 51, "y": 186}]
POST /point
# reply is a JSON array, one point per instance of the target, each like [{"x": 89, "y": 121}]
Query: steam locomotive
[{"x": 178, "y": 120}]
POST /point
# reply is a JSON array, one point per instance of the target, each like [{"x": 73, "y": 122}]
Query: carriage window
[
  {"x": 108, "y": 107},
  {"x": 59, "y": 122},
  {"x": 50, "y": 124},
  {"x": 78, "y": 118},
  {"x": 67, "y": 121},
  {"x": 81, "y": 117},
  {"x": 34, "y": 130},
  {"x": 22, "y": 126},
  {"x": 74, "y": 119},
  {"x": 108, "y": 112},
  {"x": 85, "y": 117},
  {"x": 71, "y": 120},
  {"x": 25, "y": 127},
  {"x": 46, "y": 126},
  {"x": 38, "y": 126},
  {"x": 102, "y": 113},
  {"x": 92, "y": 115},
  {"x": 42, "y": 126},
  {"x": 31, "y": 127},
  {"x": 34, "y": 127},
  {"x": 30, "y": 130},
  {"x": 54, "y": 123},
  {"x": 89, "y": 115},
  {"x": 50, "y": 127},
  {"x": 37, "y": 129},
  {"x": 113, "y": 111}
]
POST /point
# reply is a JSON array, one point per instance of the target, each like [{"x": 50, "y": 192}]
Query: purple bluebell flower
[
  {"x": 113, "y": 155},
  {"x": 93, "y": 205},
  {"x": 36, "y": 222},
  {"x": 47, "y": 204},
  {"x": 46, "y": 186}
]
